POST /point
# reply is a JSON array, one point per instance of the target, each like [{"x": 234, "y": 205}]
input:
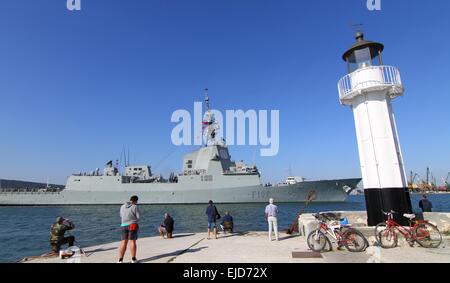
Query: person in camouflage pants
[{"x": 57, "y": 231}]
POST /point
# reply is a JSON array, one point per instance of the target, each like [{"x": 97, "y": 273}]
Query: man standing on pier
[
  {"x": 271, "y": 215},
  {"x": 425, "y": 204},
  {"x": 213, "y": 215},
  {"x": 129, "y": 213}
]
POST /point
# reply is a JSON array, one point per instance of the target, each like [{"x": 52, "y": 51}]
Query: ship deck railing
[
  {"x": 30, "y": 191},
  {"x": 240, "y": 173}
]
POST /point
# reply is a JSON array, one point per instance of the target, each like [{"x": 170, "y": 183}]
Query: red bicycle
[
  {"x": 339, "y": 232},
  {"x": 421, "y": 231}
]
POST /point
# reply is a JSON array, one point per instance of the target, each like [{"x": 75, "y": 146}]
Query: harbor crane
[
  {"x": 446, "y": 184},
  {"x": 412, "y": 177}
]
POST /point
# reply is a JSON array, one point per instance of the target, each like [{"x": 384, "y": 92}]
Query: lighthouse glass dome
[
  {"x": 362, "y": 58},
  {"x": 363, "y": 53}
]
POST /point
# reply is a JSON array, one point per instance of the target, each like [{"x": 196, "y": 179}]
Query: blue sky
[{"x": 76, "y": 87}]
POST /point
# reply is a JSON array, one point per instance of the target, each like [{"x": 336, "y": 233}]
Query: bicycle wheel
[
  {"x": 388, "y": 238},
  {"x": 354, "y": 240},
  {"x": 317, "y": 241},
  {"x": 380, "y": 227},
  {"x": 428, "y": 235}
]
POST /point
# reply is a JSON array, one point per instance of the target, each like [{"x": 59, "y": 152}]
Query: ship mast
[
  {"x": 206, "y": 99},
  {"x": 209, "y": 124}
]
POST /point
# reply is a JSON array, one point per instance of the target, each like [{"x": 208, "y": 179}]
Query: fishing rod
[{"x": 312, "y": 195}]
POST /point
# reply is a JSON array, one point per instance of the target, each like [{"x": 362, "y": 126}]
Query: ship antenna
[
  {"x": 122, "y": 158},
  {"x": 124, "y": 154},
  {"x": 206, "y": 99},
  {"x": 209, "y": 122}
]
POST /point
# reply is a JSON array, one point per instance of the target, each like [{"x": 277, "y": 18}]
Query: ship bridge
[{"x": 214, "y": 159}]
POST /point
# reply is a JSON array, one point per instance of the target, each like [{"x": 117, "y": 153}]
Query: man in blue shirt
[
  {"x": 227, "y": 222},
  {"x": 271, "y": 215},
  {"x": 213, "y": 215},
  {"x": 425, "y": 204}
]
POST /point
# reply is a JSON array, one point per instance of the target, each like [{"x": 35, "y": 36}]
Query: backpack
[{"x": 217, "y": 213}]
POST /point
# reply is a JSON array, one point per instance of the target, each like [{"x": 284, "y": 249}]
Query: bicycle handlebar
[{"x": 390, "y": 212}]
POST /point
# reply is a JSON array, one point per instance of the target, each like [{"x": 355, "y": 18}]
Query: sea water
[{"x": 24, "y": 231}]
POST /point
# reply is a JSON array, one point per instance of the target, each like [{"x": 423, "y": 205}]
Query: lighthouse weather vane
[{"x": 356, "y": 27}]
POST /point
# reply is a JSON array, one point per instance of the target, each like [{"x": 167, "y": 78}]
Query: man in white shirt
[{"x": 271, "y": 215}]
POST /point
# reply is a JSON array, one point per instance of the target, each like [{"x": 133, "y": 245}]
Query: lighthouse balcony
[{"x": 367, "y": 79}]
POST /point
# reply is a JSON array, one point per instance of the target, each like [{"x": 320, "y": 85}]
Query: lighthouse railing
[{"x": 379, "y": 77}]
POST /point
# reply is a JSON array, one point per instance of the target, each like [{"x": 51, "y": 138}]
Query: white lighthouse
[{"x": 368, "y": 89}]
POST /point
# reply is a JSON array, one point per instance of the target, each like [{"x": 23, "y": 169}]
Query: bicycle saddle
[{"x": 409, "y": 216}]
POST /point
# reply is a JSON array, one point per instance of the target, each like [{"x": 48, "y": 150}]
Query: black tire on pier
[
  {"x": 317, "y": 241},
  {"x": 428, "y": 235},
  {"x": 388, "y": 238},
  {"x": 354, "y": 240},
  {"x": 329, "y": 245},
  {"x": 380, "y": 227}
]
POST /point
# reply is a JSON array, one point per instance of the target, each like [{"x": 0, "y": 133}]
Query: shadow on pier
[{"x": 172, "y": 254}]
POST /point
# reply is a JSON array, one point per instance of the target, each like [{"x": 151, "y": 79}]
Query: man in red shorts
[{"x": 129, "y": 213}]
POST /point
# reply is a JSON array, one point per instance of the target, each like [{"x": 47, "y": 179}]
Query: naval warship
[{"x": 208, "y": 174}]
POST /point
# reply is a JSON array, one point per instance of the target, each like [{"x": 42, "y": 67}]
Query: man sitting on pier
[
  {"x": 227, "y": 223},
  {"x": 57, "y": 232},
  {"x": 166, "y": 227}
]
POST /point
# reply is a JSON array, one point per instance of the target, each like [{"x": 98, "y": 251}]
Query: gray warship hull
[{"x": 326, "y": 191}]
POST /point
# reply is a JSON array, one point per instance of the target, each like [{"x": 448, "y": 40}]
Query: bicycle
[
  {"x": 341, "y": 234},
  {"x": 424, "y": 233}
]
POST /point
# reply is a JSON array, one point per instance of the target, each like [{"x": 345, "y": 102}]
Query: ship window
[
  {"x": 207, "y": 178},
  {"x": 189, "y": 166},
  {"x": 189, "y": 162},
  {"x": 223, "y": 153}
]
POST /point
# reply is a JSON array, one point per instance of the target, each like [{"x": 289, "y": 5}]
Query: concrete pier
[{"x": 250, "y": 247}]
